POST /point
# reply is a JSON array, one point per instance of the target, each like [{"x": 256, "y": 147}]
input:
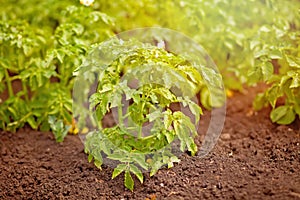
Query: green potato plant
[
  {"x": 40, "y": 53},
  {"x": 43, "y": 42},
  {"x": 164, "y": 79}
]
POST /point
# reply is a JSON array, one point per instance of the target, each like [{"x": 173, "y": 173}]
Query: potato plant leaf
[
  {"x": 118, "y": 170},
  {"x": 283, "y": 115},
  {"x": 128, "y": 181},
  {"x": 136, "y": 172}
]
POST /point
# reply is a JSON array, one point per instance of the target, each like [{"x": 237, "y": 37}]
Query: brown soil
[{"x": 254, "y": 159}]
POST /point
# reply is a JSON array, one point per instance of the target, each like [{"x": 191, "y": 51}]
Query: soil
[{"x": 253, "y": 159}]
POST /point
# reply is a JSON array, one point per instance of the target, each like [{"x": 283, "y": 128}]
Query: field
[
  {"x": 122, "y": 100},
  {"x": 254, "y": 159}
]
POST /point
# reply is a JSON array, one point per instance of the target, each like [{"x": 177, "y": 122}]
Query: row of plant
[
  {"x": 41, "y": 46},
  {"x": 250, "y": 41},
  {"x": 43, "y": 43}
]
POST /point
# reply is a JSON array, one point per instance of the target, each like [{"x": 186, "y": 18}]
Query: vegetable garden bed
[
  {"x": 72, "y": 66},
  {"x": 254, "y": 159}
]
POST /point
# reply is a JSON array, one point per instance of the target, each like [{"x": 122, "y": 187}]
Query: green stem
[
  {"x": 140, "y": 134},
  {"x": 8, "y": 83},
  {"x": 148, "y": 137},
  {"x": 140, "y": 131},
  {"x": 120, "y": 116}
]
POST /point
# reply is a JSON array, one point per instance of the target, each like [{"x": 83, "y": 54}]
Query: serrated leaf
[
  {"x": 118, "y": 170},
  {"x": 137, "y": 172},
  {"x": 128, "y": 181}
]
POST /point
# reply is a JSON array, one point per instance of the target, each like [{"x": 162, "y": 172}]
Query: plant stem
[
  {"x": 140, "y": 132},
  {"x": 8, "y": 83},
  {"x": 120, "y": 116}
]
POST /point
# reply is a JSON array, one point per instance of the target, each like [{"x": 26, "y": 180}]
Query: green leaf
[
  {"x": 172, "y": 160},
  {"x": 196, "y": 110},
  {"x": 267, "y": 70},
  {"x": 58, "y": 128},
  {"x": 140, "y": 159},
  {"x": 293, "y": 62},
  {"x": 118, "y": 170},
  {"x": 205, "y": 98},
  {"x": 283, "y": 115},
  {"x": 272, "y": 95},
  {"x": 137, "y": 172},
  {"x": 90, "y": 157},
  {"x": 260, "y": 53},
  {"x": 170, "y": 136},
  {"x": 168, "y": 118},
  {"x": 275, "y": 54},
  {"x": 295, "y": 81},
  {"x": 32, "y": 122},
  {"x": 98, "y": 164},
  {"x": 155, "y": 167},
  {"x": 180, "y": 132},
  {"x": 119, "y": 156},
  {"x": 259, "y": 101},
  {"x": 128, "y": 182},
  {"x": 116, "y": 100},
  {"x": 154, "y": 115}
]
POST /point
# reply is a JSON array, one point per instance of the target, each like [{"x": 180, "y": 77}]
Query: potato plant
[
  {"x": 41, "y": 54},
  {"x": 149, "y": 80},
  {"x": 245, "y": 39}
]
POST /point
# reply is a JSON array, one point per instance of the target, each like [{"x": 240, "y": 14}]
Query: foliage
[
  {"x": 59, "y": 129},
  {"x": 245, "y": 39},
  {"x": 39, "y": 53},
  {"x": 164, "y": 79},
  {"x": 43, "y": 42},
  {"x": 278, "y": 64}
]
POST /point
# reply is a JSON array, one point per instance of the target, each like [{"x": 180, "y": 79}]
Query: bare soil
[{"x": 253, "y": 159}]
